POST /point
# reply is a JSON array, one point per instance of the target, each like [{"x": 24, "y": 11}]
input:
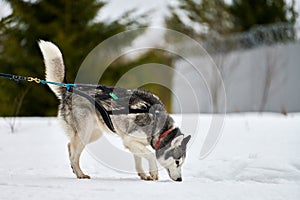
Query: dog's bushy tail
[{"x": 55, "y": 69}]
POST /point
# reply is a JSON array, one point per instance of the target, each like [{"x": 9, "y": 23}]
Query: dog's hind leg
[
  {"x": 86, "y": 131},
  {"x": 75, "y": 148}
]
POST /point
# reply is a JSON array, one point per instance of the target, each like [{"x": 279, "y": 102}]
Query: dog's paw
[
  {"x": 145, "y": 177},
  {"x": 154, "y": 175},
  {"x": 83, "y": 176}
]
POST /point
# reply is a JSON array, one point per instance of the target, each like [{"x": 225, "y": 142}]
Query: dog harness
[{"x": 108, "y": 100}]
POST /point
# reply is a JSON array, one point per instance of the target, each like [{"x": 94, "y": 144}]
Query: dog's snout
[{"x": 179, "y": 179}]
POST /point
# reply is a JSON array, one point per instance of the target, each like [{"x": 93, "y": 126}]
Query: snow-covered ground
[{"x": 257, "y": 157}]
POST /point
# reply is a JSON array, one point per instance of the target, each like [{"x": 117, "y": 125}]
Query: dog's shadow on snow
[{"x": 110, "y": 179}]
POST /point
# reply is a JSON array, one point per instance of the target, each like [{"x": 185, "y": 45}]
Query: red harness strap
[{"x": 162, "y": 136}]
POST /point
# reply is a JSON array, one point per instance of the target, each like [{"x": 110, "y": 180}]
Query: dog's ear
[
  {"x": 177, "y": 141},
  {"x": 186, "y": 140}
]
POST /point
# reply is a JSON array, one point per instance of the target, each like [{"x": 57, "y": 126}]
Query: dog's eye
[{"x": 179, "y": 162}]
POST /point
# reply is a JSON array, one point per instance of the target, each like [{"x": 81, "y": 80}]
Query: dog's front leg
[
  {"x": 139, "y": 151},
  {"x": 139, "y": 168},
  {"x": 152, "y": 165}
]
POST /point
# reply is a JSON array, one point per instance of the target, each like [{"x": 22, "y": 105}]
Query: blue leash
[
  {"x": 16, "y": 78},
  {"x": 37, "y": 80},
  {"x": 68, "y": 86}
]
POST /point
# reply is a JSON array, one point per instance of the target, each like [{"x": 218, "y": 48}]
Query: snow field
[{"x": 257, "y": 157}]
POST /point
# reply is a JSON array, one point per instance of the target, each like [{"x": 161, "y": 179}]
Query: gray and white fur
[{"x": 83, "y": 124}]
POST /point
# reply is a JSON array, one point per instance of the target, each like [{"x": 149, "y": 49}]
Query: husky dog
[{"x": 84, "y": 125}]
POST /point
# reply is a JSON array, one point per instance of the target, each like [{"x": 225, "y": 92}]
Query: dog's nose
[{"x": 179, "y": 179}]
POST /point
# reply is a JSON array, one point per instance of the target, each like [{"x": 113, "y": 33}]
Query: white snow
[{"x": 257, "y": 157}]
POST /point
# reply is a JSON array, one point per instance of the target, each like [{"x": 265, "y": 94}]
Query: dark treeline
[{"x": 72, "y": 25}]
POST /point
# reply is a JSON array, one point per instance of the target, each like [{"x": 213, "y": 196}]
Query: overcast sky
[
  {"x": 157, "y": 8},
  {"x": 115, "y": 8}
]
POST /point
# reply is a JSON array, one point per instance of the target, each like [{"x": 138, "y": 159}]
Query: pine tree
[
  {"x": 70, "y": 24},
  {"x": 246, "y": 14},
  {"x": 227, "y": 18}
]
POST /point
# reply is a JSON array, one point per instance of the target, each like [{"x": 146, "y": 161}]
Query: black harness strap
[
  {"x": 127, "y": 111},
  {"x": 98, "y": 106}
]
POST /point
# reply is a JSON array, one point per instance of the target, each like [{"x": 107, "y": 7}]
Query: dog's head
[{"x": 172, "y": 155}]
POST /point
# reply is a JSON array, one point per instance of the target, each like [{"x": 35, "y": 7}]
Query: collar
[{"x": 162, "y": 136}]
